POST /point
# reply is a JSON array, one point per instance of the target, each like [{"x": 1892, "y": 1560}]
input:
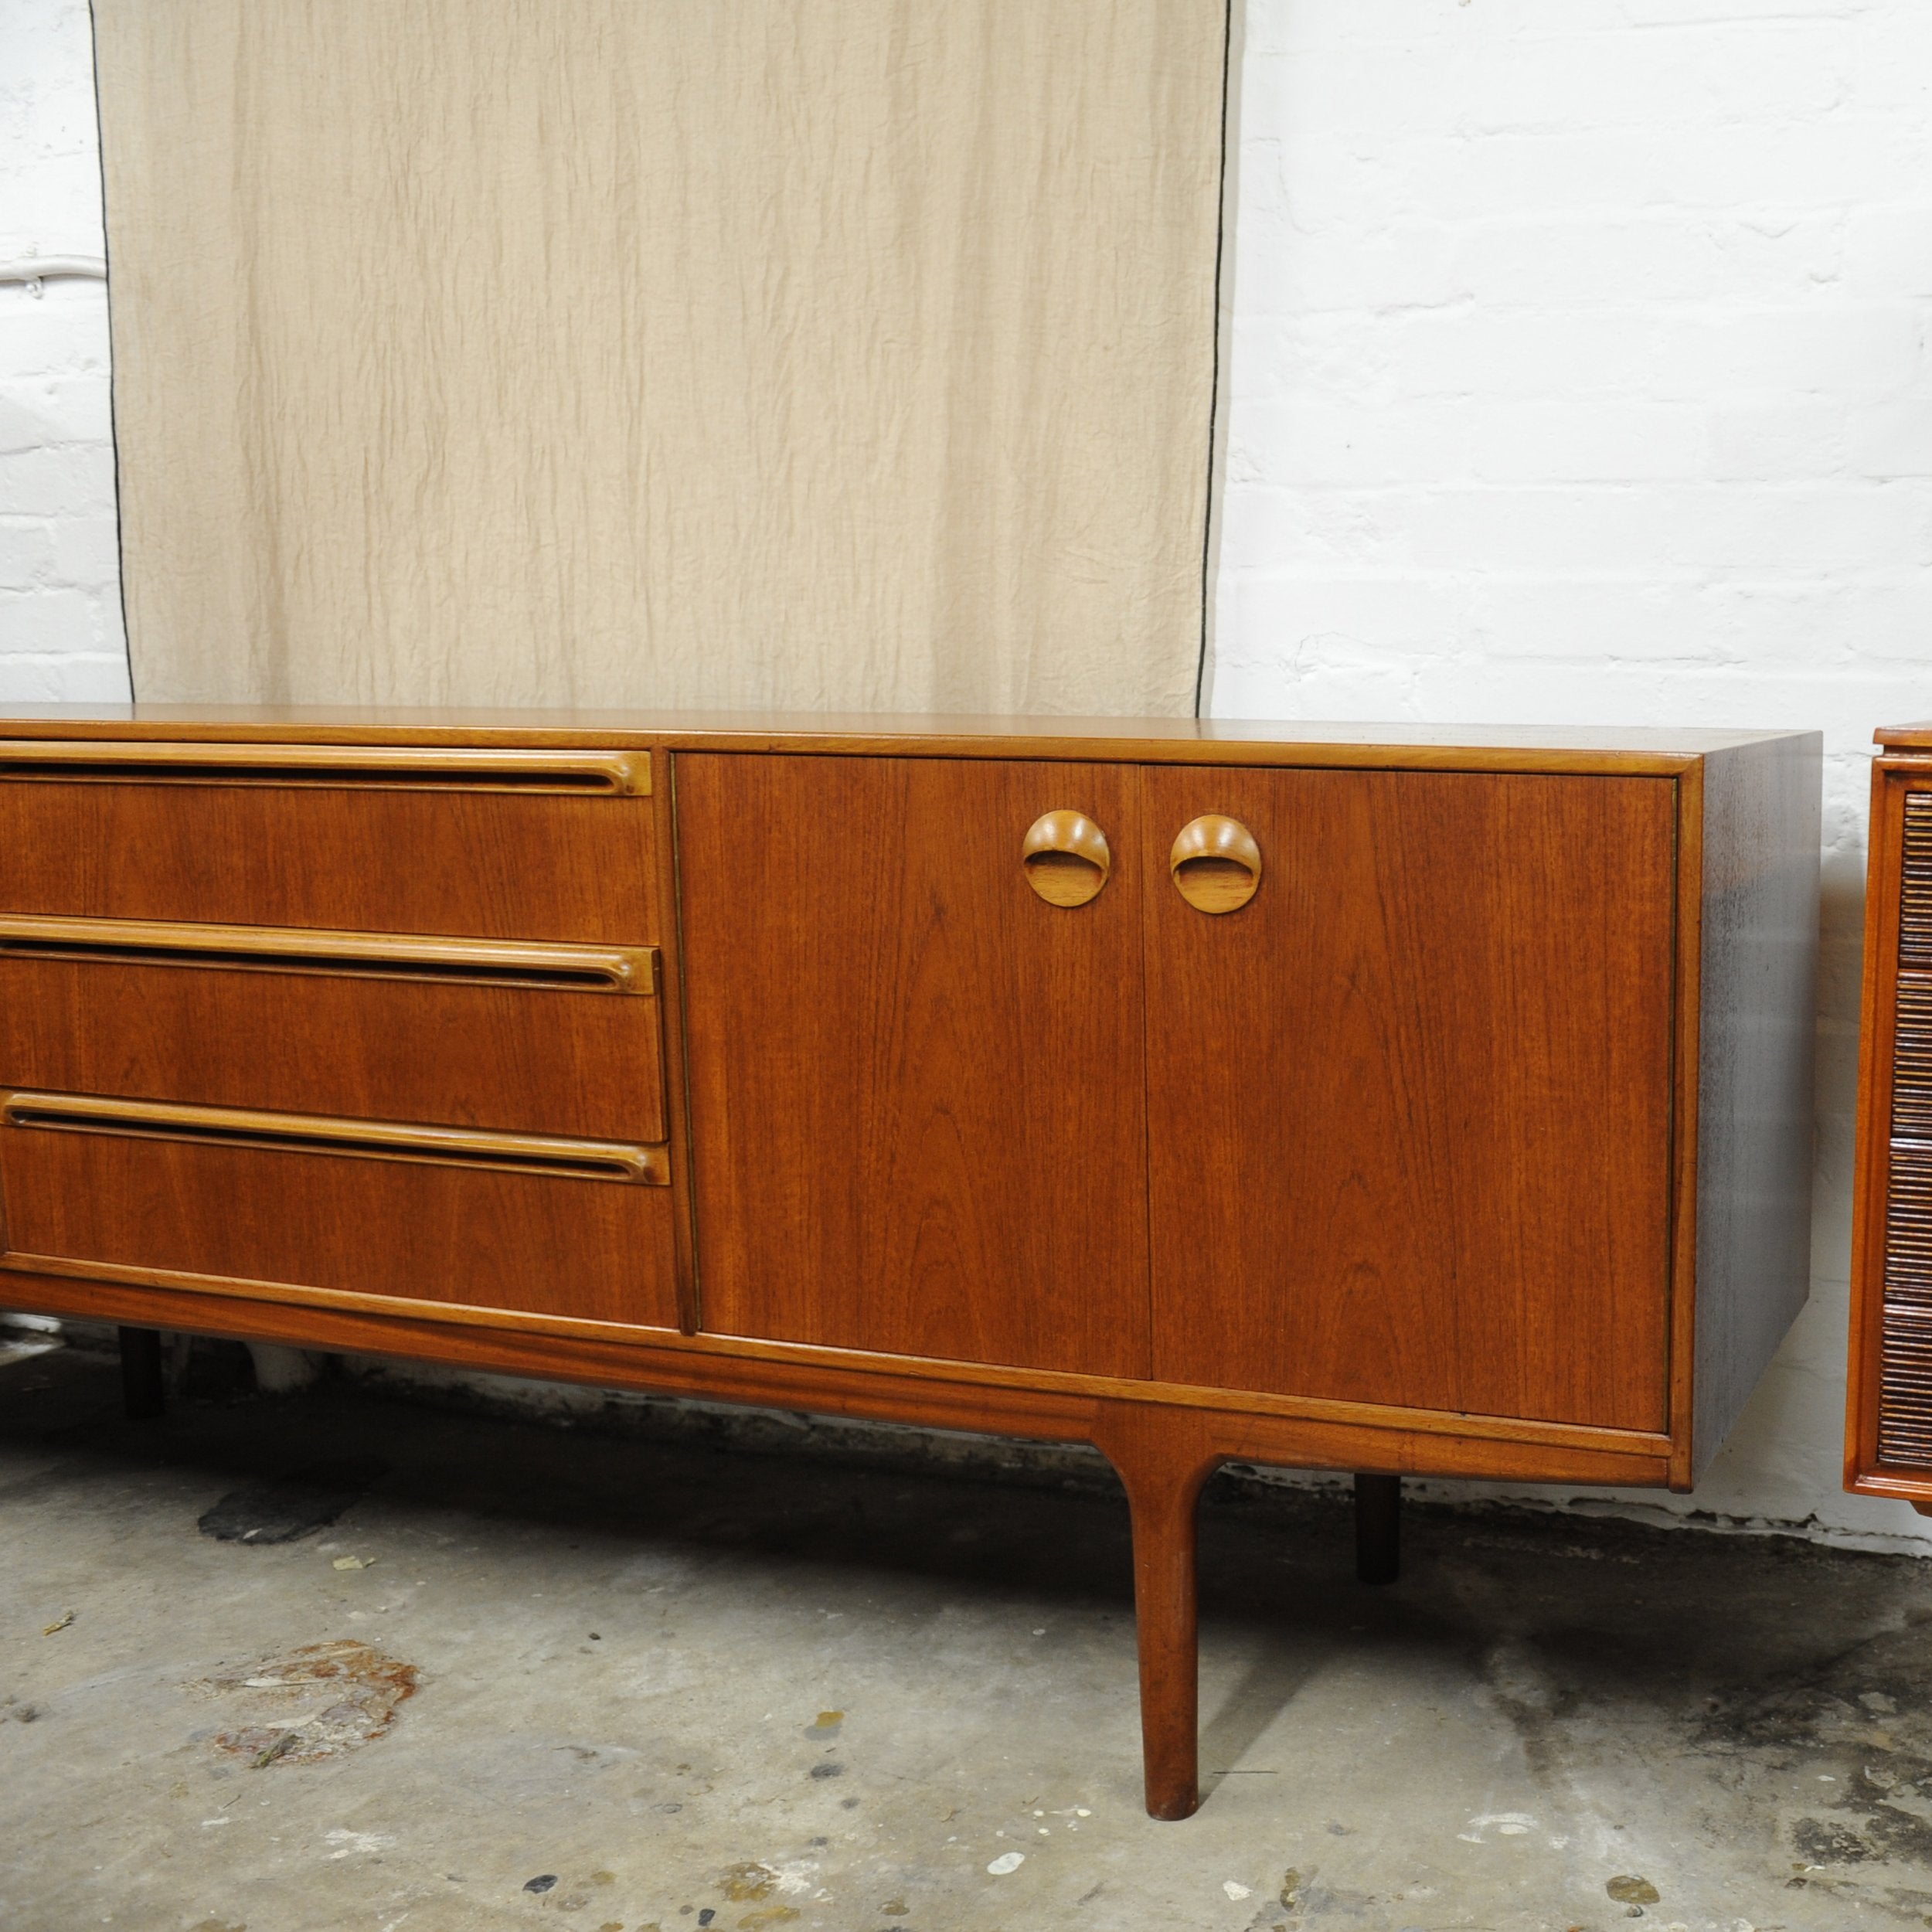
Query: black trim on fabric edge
[
  {"x": 113, "y": 359},
  {"x": 1214, "y": 397}
]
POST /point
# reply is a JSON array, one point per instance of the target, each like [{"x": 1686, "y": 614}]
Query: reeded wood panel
[
  {"x": 1905, "y": 1347},
  {"x": 1915, "y": 881},
  {"x": 916, "y": 1084},
  {"x": 539, "y": 1061},
  {"x": 1905, "y": 1387},
  {"x": 487, "y": 866},
  {"x": 1410, "y": 1107},
  {"x": 596, "y": 1250},
  {"x": 1912, "y": 1055}
]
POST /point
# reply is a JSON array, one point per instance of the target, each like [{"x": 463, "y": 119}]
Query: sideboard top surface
[
  {"x": 1906, "y": 737},
  {"x": 1179, "y": 740}
]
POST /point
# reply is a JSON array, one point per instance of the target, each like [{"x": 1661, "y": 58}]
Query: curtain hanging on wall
[{"x": 826, "y": 354}]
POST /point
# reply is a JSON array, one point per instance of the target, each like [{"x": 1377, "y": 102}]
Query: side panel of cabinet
[
  {"x": 916, "y": 1088},
  {"x": 1409, "y": 1107}
]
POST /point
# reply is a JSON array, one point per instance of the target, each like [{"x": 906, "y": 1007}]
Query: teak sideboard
[{"x": 1378, "y": 1100}]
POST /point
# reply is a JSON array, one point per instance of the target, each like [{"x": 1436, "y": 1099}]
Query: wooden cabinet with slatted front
[
  {"x": 1393, "y": 1101},
  {"x": 1888, "y": 1446}
]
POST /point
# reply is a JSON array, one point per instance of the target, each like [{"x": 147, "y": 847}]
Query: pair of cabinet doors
[{"x": 1397, "y": 1130}]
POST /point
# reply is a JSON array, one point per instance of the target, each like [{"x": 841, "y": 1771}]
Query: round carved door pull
[
  {"x": 1215, "y": 864},
  {"x": 1066, "y": 858}
]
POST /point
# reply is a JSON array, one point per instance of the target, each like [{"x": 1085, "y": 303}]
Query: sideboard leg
[
  {"x": 1163, "y": 1477},
  {"x": 1378, "y": 1528},
  {"x": 141, "y": 1393}
]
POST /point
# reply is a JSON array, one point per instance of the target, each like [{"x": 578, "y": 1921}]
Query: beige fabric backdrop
[{"x": 842, "y": 354}]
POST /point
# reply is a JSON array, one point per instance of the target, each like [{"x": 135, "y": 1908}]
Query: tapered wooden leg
[
  {"x": 1163, "y": 1472},
  {"x": 1378, "y": 1528},
  {"x": 141, "y": 1393}
]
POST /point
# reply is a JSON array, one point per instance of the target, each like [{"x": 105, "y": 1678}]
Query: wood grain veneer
[
  {"x": 541, "y": 1060},
  {"x": 1410, "y": 1108},
  {"x": 482, "y": 865},
  {"x": 1300, "y": 742},
  {"x": 914, "y": 1085},
  {"x": 846, "y": 1383},
  {"x": 1463, "y": 1132},
  {"x": 597, "y": 1249}
]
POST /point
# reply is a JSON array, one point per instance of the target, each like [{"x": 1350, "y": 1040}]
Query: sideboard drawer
[
  {"x": 209, "y": 1198},
  {"x": 515, "y": 844},
  {"x": 540, "y": 1039}
]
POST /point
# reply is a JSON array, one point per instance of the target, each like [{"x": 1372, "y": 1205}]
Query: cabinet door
[
  {"x": 1409, "y": 1107},
  {"x": 917, "y": 1107}
]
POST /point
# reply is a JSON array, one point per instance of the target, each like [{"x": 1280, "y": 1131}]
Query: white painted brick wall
[
  {"x": 1577, "y": 370},
  {"x": 60, "y": 632}
]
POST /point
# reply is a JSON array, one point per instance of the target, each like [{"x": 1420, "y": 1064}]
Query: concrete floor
[{"x": 665, "y": 1684}]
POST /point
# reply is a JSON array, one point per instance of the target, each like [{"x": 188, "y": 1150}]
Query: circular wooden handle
[
  {"x": 1066, "y": 858},
  {"x": 1215, "y": 864}
]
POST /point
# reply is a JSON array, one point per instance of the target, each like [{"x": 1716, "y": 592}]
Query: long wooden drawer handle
[
  {"x": 545, "y": 1154},
  {"x": 1215, "y": 864},
  {"x": 293, "y": 949},
  {"x": 1066, "y": 858},
  {"x": 355, "y": 767}
]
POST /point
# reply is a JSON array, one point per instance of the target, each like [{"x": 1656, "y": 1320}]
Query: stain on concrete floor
[
  {"x": 661, "y": 1686},
  {"x": 318, "y": 1701}
]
